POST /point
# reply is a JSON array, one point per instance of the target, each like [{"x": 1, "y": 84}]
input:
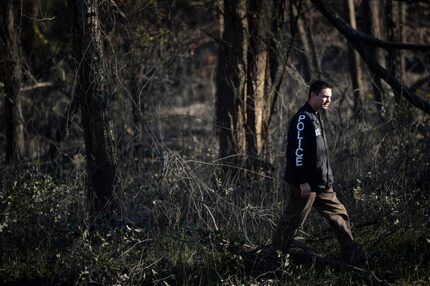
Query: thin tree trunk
[
  {"x": 316, "y": 71},
  {"x": 373, "y": 14},
  {"x": 95, "y": 110},
  {"x": 313, "y": 70},
  {"x": 62, "y": 129},
  {"x": 309, "y": 72},
  {"x": 220, "y": 4},
  {"x": 395, "y": 18},
  {"x": 276, "y": 70},
  {"x": 355, "y": 66},
  {"x": 260, "y": 25},
  {"x": 14, "y": 121},
  {"x": 390, "y": 23},
  {"x": 402, "y": 21},
  {"x": 241, "y": 95}
]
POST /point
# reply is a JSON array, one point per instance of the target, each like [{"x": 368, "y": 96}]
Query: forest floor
[{"x": 184, "y": 220}]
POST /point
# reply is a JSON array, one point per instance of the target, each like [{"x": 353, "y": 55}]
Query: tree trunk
[
  {"x": 260, "y": 25},
  {"x": 231, "y": 94},
  {"x": 313, "y": 70},
  {"x": 94, "y": 101},
  {"x": 355, "y": 66},
  {"x": 395, "y": 14},
  {"x": 391, "y": 27},
  {"x": 373, "y": 15},
  {"x": 276, "y": 71},
  {"x": 244, "y": 79},
  {"x": 401, "y": 38},
  {"x": 14, "y": 121}
]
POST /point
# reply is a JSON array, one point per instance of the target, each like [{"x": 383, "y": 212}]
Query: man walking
[{"x": 310, "y": 179}]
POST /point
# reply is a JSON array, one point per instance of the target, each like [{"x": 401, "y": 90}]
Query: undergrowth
[{"x": 181, "y": 221}]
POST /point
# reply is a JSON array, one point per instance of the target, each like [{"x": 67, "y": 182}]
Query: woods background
[{"x": 144, "y": 141}]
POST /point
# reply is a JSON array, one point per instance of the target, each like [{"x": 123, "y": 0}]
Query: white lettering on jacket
[{"x": 299, "y": 151}]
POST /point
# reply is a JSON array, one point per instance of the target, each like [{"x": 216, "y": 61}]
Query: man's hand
[{"x": 305, "y": 190}]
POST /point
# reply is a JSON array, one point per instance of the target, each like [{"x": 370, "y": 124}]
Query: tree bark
[
  {"x": 373, "y": 18},
  {"x": 402, "y": 21},
  {"x": 309, "y": 68},
  {"x": 244, "y": 79},
  {"x": 395, "y": 13},
  {"x": 14, "y": 120},
  {"x": 354, "y": 62},
  {"x": 276, "y": 70},
  {"x": 94, "y": 102},
  {"x": 231, "y": 94},
  {"x": 260, "y": 25},
  {"x": 391, "y": 28},
  {"x": 313, "y": 70}
]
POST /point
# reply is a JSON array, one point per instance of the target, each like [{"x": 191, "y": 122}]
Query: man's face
[{"x": 321, "y": 100}]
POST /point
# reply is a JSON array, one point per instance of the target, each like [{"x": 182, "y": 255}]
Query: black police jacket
[{"x": 307, "y": 153}]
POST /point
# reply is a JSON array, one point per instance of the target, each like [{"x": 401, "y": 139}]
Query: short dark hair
[{"x": 318, "y": 85}]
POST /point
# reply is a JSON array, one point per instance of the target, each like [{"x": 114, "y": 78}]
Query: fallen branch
[
  {"x": 265, "y": 256},
  {"x": 366, "y": 275}
]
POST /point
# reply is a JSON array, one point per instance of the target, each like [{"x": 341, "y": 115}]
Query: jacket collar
[{"x": 308, "y": 107}]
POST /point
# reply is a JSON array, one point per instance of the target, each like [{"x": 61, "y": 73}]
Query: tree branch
[
  {"x": 420, "y": 83},
  {"x": 374, "y": 66},
  {"x": 413, "y": 1},
  {"x": 357, "y": 36},
  {"x": 34, "y": 86}
]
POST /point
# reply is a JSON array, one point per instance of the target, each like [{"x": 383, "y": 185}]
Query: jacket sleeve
[{"x": 301, "y": 131}]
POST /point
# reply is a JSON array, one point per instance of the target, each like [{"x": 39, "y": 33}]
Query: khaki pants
[{"x": 296, "y": 211}]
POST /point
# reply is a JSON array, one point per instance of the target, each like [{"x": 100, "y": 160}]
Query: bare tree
[
  {"x": 14, "y": 120},
  {"x": 94, "y": 102}
]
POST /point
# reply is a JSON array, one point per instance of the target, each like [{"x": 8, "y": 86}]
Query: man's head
[{"x": 319, "y": 96}]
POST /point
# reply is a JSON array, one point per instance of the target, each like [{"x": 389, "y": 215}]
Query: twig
[
  {"x": 36, "y": 86},
  {"x": 212, "y": 217}
]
